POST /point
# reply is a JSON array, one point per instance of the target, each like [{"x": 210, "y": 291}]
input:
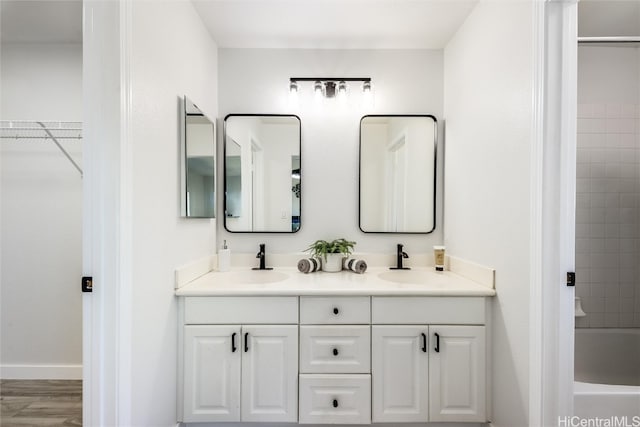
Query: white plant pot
[{"x": 333, "y": 263}]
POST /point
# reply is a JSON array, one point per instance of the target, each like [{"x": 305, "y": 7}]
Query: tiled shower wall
[
  {"x": 607, "y": 215},
  {"x": 608, "y": 188}
]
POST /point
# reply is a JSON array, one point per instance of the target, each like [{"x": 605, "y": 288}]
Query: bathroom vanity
[{"x": 333, "y": 348}]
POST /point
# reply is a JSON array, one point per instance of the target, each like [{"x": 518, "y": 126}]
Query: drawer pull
[
  {"x": 233, "y": 343},
  {"x": 437, "y": 349},
  {"x": 424, "y": 342},
  {"x": 335, "y": 351},
  {"x": 335, "y": 403},
  {"x": 246, "y": 342},
  {"x": 336, "y": 311}
]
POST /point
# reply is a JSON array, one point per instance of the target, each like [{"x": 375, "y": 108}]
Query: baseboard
[{"x": 41, "y": 372}]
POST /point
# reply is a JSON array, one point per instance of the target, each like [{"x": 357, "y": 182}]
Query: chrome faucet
[
  {"x": 400, "y": 254},
  {"x": 262, "y": 256}
]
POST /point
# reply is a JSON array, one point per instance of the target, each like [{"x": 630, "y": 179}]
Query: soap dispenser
[{"x": 224, "y": 258}]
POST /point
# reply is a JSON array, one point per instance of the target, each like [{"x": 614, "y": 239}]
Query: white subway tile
[
  {"x": 627, "y": 111},
  {"x": 611, "y": 231},
  {"x": 626, "y": 305},
  {"x": 595, "y": 304},
  {"x": 597, "y": 215},
  {"x": 629, "y": 215},
  {"x": 628, "y": 200},
  {"x": 612, "y": 215},
  {"x": 596, "y": 320},
  {"x": 613, "y": 140},
  {"x": 582, "y": 322},
  {"x": 611, "y": 320},
  {"x": 626, "y": 320},
  {"x": 627, "y": 245},
  {"x": 627, "y": 293},
  {"x": 597, "y": 231},
  {"x": 583, "y": 200},
  {"x": 613, "y": 110},
  {"x": 599, "y": 110},
  {"x": 583, "y": 230},
  {"x": 586, "y": 111}
]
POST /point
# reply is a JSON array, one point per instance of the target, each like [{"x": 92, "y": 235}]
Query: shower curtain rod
[{"x": 617, "y": 39}]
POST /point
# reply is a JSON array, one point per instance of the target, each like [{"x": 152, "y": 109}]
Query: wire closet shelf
[{"x": 24, "y": 130}]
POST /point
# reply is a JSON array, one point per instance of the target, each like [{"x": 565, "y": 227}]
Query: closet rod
[
  {"x": 617, "y": 39},
  {"x": 53, "y": 138}
]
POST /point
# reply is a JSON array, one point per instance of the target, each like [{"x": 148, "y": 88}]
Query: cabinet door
[
  {"x": 270, "y": 373},
  {"x": 211, "y": 373},
  {"x": 399, "y": 374},
  {"x": 457, "y": 372}
]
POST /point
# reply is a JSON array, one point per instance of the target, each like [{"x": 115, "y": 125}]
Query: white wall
[
  {"x": 405, "y": 82},
  {"x": 488, "y": 109},
  {"x": 608, "y": 186},
  {"x": 172, "y": 55},
  {"x": 41, "y": 217}
]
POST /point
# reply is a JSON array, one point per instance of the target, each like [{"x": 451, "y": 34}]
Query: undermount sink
[
  {"x": 407, "y": 276},
  {"x": 251, "y": 277}
]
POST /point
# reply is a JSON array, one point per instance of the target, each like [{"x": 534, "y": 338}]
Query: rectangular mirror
[
  {"x": 398, "y": 173},
  {"x": 199, "y": 168},
  {"x": 262, "y": 173}
]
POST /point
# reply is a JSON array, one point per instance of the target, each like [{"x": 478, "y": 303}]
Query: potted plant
[{"x": 331, "y": 253}]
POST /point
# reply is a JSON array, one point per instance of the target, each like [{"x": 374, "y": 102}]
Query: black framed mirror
[
  {"x": 198, "y": 163},
  {"x": 397, "y": 189},
  {"x": 262, "y": 173}
]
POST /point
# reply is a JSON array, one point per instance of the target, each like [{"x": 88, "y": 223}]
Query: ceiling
[
  {"x": 41, "y": 21},
  {"x": 333, "y": 24},
  {"x": 608, "y": 18},
  {"x": 313, "y": 24},
  {"x": 323, "y": 24}
]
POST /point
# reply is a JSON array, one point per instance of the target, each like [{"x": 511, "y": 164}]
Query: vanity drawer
[
  {"x": 335, "y": 310},
  {"x": 240, "y": 310},
  {"x": 428, "y": 310},
  {"x": 335, "y": 399},
  {"x": 335, "y": 349}
]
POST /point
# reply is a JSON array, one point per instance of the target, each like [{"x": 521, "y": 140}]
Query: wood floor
[{"x": 40, "y": 403}]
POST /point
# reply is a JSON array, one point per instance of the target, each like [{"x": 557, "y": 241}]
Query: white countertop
[{"x": 236, "y": 283}]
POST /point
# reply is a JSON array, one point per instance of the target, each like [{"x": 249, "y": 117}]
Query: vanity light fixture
[{"x": 330, "y": 86}]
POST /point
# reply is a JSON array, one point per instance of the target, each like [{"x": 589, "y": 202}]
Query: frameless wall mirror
[
  {"x": 398, "y": 173},
  {"x": 262, "y": 173},
  {"x": 199, "y": 147}
]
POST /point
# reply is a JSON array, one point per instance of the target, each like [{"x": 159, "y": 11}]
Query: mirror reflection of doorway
[{"x": 396, "y": 183}]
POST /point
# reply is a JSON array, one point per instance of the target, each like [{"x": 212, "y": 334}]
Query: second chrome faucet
[{"x": 400, "y": 256}]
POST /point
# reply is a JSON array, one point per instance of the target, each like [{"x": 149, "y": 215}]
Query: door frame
[{"x": 553, "y": 211}]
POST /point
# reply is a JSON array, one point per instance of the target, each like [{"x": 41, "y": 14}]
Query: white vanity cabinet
[
  {"x": 322, "y": 359},
  {"x": 242, "y": 371},
  {"x": 428, "y": 359}
]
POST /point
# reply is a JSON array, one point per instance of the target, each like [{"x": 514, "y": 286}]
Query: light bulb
[
  {"x": 342, "y": 88},
  {"x": 366, "y": 87},
  {"x": 293, "y": 86}
]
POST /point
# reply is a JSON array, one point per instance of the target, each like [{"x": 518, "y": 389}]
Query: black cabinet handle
[
  {"x": 233, "y": 343},
  {"x": 335, "y": 403},
  {"x": 336, "y": 311},
  {"x": 424, "y": 342},
  {"x": 246, "y": 342},
  {"x": 437, "y": 349},
  {"x": 335, "y": 351}
]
